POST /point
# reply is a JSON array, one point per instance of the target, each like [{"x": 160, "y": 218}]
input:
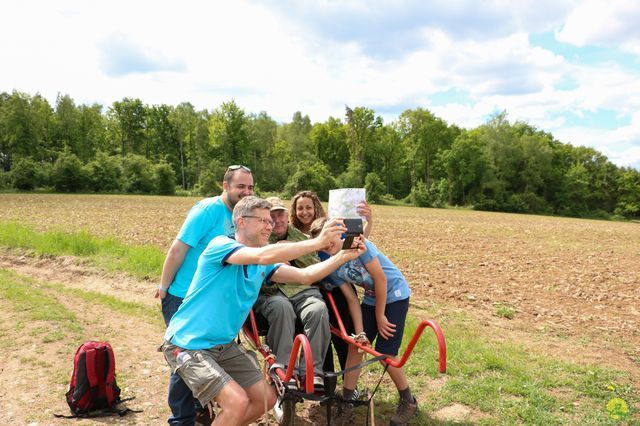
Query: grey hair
[{"x": 247, "y": 205}]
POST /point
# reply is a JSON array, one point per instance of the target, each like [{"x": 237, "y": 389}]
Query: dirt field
[{"x": 567, "y": 279}]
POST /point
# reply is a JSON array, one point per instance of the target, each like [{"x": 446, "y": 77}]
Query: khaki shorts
[{"x": 207, "y": 371}]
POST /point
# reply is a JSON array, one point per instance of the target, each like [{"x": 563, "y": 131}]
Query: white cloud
[
  {"x": 602, "y": 22},
  {"x": 269, "y": 58}
]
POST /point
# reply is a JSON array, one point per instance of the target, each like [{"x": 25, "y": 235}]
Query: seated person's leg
[
  {"x": 314, "y": 315},
  {"x": 279, "y": 314},
  {"x": 341, "y": 347}
]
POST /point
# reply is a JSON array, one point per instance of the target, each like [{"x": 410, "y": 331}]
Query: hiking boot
[
  {"x": 204, "y": 417},
  {"x": 405, "y": 411}
]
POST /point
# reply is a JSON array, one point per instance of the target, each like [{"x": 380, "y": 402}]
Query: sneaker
[
  {"x": 318, "y": 384},
  {"x": 404, "y": 412},
  {"x": 291, "y": 384}
]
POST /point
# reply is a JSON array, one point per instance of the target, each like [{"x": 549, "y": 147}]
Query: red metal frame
[
  {"x": 442, "y": 346},
  {"x": 302, "y": 343}
]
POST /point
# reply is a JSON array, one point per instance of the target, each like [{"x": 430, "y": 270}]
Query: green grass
[
  {"x": 148, "y": 313},
  {"x": 505, "y": 383},
  {"x": 143, "y": 262},
  {"x": 504, "y": 311},
  {"x": 33, "y": 304}
]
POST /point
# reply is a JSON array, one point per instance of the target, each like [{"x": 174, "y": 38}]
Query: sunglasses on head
[{"x": 238, "y": 166}]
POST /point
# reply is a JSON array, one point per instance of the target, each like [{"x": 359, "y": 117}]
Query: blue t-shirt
[
  {"x": 219, "y": 298},
  {"x": 354, "y": 272},
  {"x": 207, "y": 219}
]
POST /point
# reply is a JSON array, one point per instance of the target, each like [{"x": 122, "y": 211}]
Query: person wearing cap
[
  {"x": 281, "y": 305},
  {"x": 207, "y": 219},
  {"x": 200, "y": 343}
]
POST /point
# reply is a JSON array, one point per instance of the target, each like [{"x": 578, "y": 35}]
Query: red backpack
[{"x": 93, "y": 382}]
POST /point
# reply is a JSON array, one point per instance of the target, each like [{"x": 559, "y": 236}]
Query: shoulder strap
[
  {"x": 91, "y": 367},
  {"x": 111, "y": 374}
]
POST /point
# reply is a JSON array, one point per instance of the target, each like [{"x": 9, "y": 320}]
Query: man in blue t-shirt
[
  {"x": 199, "y": 342},
  {"x": 207, "y": 219}
]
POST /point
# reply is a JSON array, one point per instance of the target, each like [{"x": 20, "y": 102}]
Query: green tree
[
  {"x": 576, "y": 190},
  {"x": 424, "y": 135},
  {"x": 164, "y": 178},
  {"x": 104, "y": 173},
  {"x": 297, "y": 134},
  {"x": 67, "y": 124},
  {"x": 375, "y": 187},
  {"x": 192, "y": 137},
  {"x": 466, "y": 164},
  {"x": 68, "y": 174},
  {"x": 228, "y": 133},
  {"x": 137, "y": 174},
  {"x": 262, "y": 132},
  {"x": 129, "y": 115},
  {"x": 311, "y": 176},
  {"x": 92, "y": 132},
  {"x": 23, "y": 174},
  {"x": 629, "y": 188},
  {"x": 329, "y": 140},
  {"x": 362, "y": 128}
]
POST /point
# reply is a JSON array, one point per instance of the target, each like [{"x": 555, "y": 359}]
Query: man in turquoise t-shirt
[
  {"x": 207, "y": 219},
  {"x": 199, "y": 342}
]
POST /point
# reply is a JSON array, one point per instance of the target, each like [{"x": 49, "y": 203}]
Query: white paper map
[{"x": 343, "y": 202}]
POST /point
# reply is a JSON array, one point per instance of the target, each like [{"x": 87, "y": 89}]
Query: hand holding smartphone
[{"x": 354, "y": 228}]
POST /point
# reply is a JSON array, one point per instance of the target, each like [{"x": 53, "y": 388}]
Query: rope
[
  {"x": 369, "y": 407},
  {"x": 265, "y": 373}
]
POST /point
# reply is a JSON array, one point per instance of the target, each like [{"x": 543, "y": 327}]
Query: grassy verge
[
  {"x": 505, "y": 383},
  {"x": 34, "y": 310},
  {"x": 143, "y": 262}
]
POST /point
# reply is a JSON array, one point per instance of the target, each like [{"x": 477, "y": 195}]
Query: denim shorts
[
  {"x": 396, "y": 313},
  {"x": 207, "y": 371}
]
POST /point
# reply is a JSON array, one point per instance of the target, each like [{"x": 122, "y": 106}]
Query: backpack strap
[
  {"x": 111, "y": 375},
  {"x": 90, "y": 355}
]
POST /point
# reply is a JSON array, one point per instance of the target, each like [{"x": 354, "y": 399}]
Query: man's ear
[{"x": 225, "y": 185}]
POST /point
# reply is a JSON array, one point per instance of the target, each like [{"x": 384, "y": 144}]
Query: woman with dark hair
[{"x": 305, "y": 208}]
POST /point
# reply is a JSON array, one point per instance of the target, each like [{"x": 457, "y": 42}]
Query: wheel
[{"x": 285, "y": 411}]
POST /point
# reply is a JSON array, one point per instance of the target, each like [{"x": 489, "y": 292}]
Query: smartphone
[{"x": 354, "y": 228}]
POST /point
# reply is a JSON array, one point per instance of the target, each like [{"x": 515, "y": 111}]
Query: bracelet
[{"x": 162, "y": 288}]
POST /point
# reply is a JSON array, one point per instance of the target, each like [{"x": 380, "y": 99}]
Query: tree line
[{"x": 418, "y": 159}]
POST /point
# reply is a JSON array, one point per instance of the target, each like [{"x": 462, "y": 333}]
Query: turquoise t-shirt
[
  {"x": 219, "y": 298},
  {"x": 207, "y": 219},
  {"x": 354, "y": 272}
]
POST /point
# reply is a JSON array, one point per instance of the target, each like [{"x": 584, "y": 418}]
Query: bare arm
[
  {"x": 276, "y": 253},
  {"x": 313, "y": 273},
  {"x": 385, "y": 328},
  {"x": 364, "y": 210},
  {"x": 172, "y": 263},
  {"x": 354, "y": 307}
]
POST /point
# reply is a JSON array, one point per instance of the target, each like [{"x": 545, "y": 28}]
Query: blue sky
[{"x": 568, "y": 67}]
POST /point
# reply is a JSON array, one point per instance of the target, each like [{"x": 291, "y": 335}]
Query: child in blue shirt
[{"x": 381, "y": 316}]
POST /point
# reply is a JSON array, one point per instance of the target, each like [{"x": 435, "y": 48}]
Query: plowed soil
[{"x": 566, "y": 279}]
